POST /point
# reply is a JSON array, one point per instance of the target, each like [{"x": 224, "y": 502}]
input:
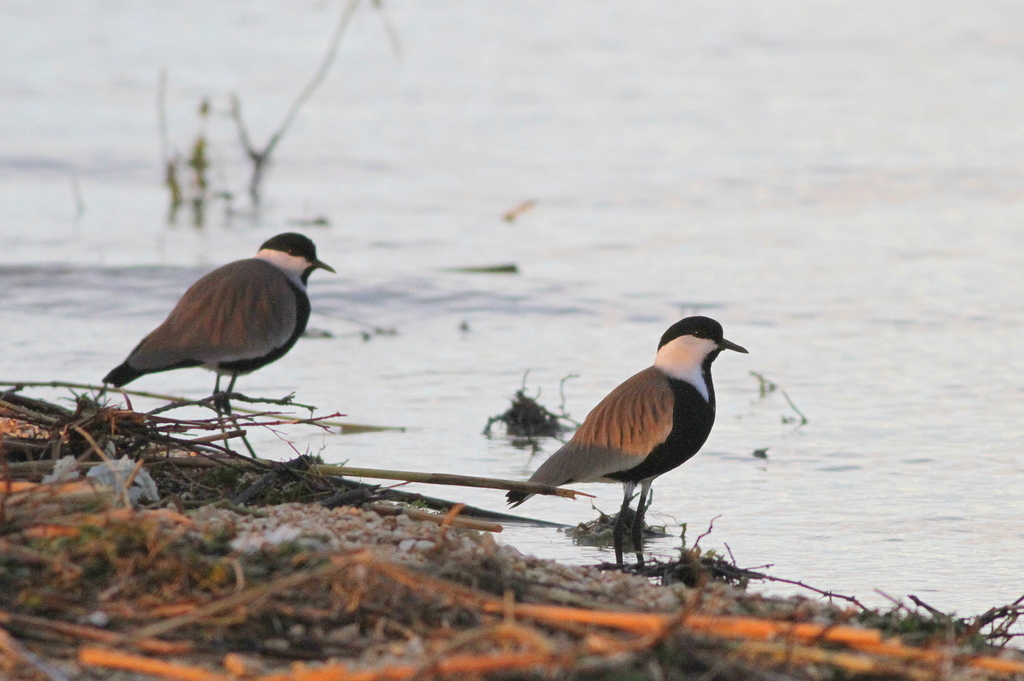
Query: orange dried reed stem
[
  {"x": 113, "y": 659},
  {"x": 457, "y": 664}
]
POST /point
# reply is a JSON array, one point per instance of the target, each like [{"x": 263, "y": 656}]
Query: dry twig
[{"x": 261, "y": 157}]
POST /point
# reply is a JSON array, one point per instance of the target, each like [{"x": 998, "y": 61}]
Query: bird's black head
[
  {"x": 687, "y": 350},
  {"x": 292, "y": 243},
  {"x": 699, "y": 327},
  {"x": 299, "y": 246}
]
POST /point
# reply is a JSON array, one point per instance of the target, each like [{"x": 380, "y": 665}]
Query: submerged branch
[
  {"x": 261, "y": 157},
  {"x": 766, "y": 387}
]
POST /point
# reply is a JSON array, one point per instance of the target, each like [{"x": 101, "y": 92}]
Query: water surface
[{"x": 838, "y": 184}]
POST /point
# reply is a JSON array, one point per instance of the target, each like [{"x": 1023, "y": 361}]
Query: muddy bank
[{"x": 192, "y": 585}]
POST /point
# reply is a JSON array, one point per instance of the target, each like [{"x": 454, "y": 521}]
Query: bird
[
  {"x": 653, "y": 422},
  {"x": 234, "y": 320}
]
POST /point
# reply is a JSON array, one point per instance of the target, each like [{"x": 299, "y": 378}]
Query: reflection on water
[{"x": 841, "y": 192}]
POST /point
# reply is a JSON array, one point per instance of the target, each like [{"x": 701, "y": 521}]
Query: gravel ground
[{"x": 479, "y": 559}]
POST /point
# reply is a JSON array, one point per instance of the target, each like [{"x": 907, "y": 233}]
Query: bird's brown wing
[
  {"x": 617, "y": 435},
  {"x": 242, "y": 310}
]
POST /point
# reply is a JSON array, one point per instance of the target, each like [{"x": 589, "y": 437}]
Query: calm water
[{"x": 840, "y": 184}]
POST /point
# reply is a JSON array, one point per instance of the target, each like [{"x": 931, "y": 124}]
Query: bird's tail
[
  {"x": 121, "y": 375},
  {"x": 516, "y": 498},
  {"x": 557, "y": 470}
]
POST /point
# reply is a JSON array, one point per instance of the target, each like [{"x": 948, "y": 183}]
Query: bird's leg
[
  {"x": 619, "y": 529},
  {"x": 637, "y": 533},
  {"x": 231, "y": 389},
  {"x": 227, "y": 410},
  {"x": 217, "y": 402}
]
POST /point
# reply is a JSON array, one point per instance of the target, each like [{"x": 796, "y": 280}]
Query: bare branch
[
  {"x": 260, "y": 158},
  {"x": 389, "y": 28},
  {"x": 447, "y": 479}
]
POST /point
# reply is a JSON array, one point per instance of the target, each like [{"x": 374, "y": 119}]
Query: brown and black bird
[
  {"x": 234, "y": 320},
  {"x": 653, "y": 422}
]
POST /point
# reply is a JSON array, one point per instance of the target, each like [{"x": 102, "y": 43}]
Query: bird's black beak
[
  {"x": 729, "y": 345},
  {"x": 323, "y": 266}
]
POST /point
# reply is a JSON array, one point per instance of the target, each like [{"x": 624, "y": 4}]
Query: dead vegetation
[
  {"x": 94, "y": 588},
  {"x": 527, "y": 418},
  {"x": 188, "y": 178},
  {"x": 766, "y": 387}
]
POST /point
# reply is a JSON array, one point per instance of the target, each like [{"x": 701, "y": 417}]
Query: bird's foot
[{"x": 222, "y": 404}]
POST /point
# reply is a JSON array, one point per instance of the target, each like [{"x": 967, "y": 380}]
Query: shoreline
[{"x": 194, "y": 585}]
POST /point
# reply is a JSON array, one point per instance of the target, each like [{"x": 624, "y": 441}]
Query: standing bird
[
  {"x": 235, "y": 319},
  {"x": 647, "y": 426}
]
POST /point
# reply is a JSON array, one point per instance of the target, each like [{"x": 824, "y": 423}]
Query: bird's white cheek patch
[
  {"x": 683, "y": 358},
  {"x": 293, "y": 265}
]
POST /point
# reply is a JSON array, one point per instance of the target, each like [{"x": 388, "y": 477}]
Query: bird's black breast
[
  {"x": 692, "y": 419},
  {"x": 244, "y": 366}
]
